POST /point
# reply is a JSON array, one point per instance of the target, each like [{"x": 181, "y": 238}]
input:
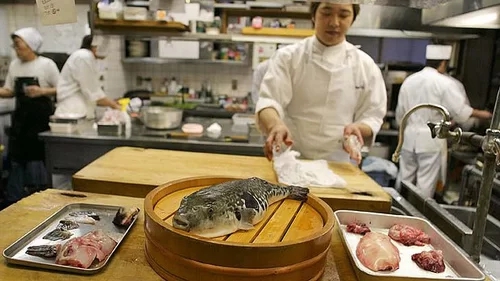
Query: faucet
[
  {"x": 440, "y": 130},
  {"x": 490, "y": 144}
]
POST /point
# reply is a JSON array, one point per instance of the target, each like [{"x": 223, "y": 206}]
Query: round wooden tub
[{"x": 291, "y": 242}]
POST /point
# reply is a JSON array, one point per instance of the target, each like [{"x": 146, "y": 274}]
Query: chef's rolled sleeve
[
  {"x": 87, "y": 76},
  {"x": 276, "y": 88},
  {"x": 372, "y": 106}
]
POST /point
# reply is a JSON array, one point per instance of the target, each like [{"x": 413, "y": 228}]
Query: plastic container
[
  {"x": 243, "y": 119},
  {"x": 63, "y": 128},
  {"x": 135, "y": 13}
]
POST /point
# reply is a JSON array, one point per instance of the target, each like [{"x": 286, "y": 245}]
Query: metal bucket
[{"x": 161, "y": 117}]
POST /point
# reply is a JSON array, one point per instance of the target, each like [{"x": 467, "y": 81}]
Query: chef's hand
[
  {"x": 484, "y": 114},
  {"x": 33, "y": 91},
  {"x": 278, "y": 135},
  {"x": 353, "y": 146}
]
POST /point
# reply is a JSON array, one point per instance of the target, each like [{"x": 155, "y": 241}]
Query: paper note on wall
[{"x": 57, "y": 11}]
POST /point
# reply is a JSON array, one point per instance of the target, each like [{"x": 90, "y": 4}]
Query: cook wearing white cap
[
  {"x": 32, "y": 79},
  {"x": 422, "y": 157},
  {"x": 321, "y": 90},
  {"x": 79, "y": 90}
]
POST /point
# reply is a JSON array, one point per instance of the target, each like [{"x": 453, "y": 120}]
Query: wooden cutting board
[{"x": 130, "y": 171}]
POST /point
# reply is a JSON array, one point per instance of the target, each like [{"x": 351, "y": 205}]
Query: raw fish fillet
[
  {"x": 376, "y": 251},
  {"x": 82, "y": 251},
  {"x": 430, "y": 260},
  {"x": 408, "y": 235},
  {"x": 358, "y": 228}
]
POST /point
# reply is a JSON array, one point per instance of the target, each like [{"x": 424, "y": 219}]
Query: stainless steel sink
[{"x": 491, "y": 243}]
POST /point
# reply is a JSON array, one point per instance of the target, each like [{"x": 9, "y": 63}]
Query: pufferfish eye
[{"x": 210, "y": 210}]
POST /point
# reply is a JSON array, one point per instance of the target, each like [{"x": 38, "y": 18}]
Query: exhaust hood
[{"x": 464, "y": 14}]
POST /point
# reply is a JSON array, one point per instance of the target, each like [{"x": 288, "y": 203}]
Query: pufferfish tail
[{"x": 298, "y": 193}]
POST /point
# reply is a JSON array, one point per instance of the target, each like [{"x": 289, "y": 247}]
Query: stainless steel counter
[{"x": 68, "y": 153}]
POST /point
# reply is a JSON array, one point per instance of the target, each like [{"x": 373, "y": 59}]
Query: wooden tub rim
[{"x": 149, "y": 211}]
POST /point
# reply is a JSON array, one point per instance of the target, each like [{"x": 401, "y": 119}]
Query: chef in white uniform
[
  {"x": 79, "y": 90},
  {"x": 321, "y": 90},
  {"x": 422, "y": 159}
]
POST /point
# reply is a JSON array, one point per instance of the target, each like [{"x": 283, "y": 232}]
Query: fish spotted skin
[{"x": 224, "y": 208}]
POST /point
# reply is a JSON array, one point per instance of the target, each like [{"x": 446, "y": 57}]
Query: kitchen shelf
[
  {"x": 267, "y": 13},
  {"x": 129, "y": 27},
  {"x": 285, "y": 32},
  {"x": 168, "y": 60}
]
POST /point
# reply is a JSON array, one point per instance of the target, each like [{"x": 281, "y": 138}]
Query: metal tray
[
  {"x": 16, "y": 253},
  {"x": 458, "y": 266}
]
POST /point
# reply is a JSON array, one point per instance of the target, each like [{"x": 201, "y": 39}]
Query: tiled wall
[{"x": 121, "y": 77}]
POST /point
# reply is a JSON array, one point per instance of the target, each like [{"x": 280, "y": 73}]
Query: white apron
[{"x": 316, "y": 121}]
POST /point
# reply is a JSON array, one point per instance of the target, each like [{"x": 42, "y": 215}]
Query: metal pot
[{"x": 161, "y": 117}]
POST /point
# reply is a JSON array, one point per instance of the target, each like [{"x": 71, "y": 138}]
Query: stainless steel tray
[
  {"x": 16, "y": 253},
  {"x": 458, "y": 266}
]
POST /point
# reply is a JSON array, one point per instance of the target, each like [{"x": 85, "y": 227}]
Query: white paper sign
[{"x": 57, "y": 11}]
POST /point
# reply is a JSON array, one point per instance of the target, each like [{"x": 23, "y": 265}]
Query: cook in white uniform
[
  {"x": 258, "y": 75},
  {"x": 421, "y": 155},
  {"x": 32, "y": 80},
  {"x": 320, "y": 90},
  {"x": 79, "y": 90}
]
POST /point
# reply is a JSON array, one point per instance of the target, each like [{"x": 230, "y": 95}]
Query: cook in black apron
[{"x": 26, "y": 150}]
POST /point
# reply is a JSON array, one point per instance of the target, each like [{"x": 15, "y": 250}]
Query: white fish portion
[
  {"x": 225, "y": 208},
  {"x": 81, "y": 219}
]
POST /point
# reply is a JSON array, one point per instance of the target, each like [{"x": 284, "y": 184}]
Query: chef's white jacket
[
  {"x": 79, "y": 89},
  {"x": 258, "y": 75},
  {"x": 428, "y": 86},
  {"x": 318, "y": 90}
]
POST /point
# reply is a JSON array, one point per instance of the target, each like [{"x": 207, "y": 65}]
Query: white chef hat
[
  {"x": 31, "y": 36},
  {"x": 101, "y": 42},
  {"x": 438, "y": 52}
]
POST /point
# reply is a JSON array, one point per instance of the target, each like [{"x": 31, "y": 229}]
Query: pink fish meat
[
  {"x": 82, "y": 251},
  {"x": 408, "y": 235},
  {"x": 376, "y": 251}
]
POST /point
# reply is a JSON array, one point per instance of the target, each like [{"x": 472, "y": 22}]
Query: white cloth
[
  {"x": 427, "y": 86},
  {"x": 31, "y": 36},
  {"x": 79, "y": 89},
  {"x": 291, "y": 171},
  {"x": 318, "y": 90},
  {"x": 43, "y": 68},
  {"x": 438, "y": 52},
  {"x": 258, "y": 75},
  {"x": 421, "y": 169}
]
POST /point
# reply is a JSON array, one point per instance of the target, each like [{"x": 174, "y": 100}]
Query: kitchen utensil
[{"x": 161, "y": 117}]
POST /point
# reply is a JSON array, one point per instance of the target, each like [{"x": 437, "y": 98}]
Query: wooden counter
[
  {"x": 131, "y": 171},
  {"x": 128, "y": 262}
]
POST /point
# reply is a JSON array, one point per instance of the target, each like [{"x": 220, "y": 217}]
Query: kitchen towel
[{"x": 291, "y": 171}]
